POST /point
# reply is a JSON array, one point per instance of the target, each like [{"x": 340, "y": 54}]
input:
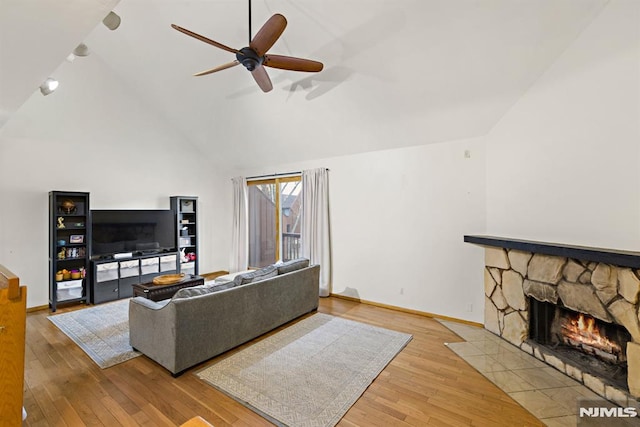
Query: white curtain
[
  {"x": 315, "y": 224},
  {"x": 240, "y": 232}
]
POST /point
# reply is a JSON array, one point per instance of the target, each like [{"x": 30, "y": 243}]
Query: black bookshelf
[
  {"x": 185, "y": 209},
  {"x": 69, "y": 247}
]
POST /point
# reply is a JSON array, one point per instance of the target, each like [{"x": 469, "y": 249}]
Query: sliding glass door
[{"x": 274, "y": 220}]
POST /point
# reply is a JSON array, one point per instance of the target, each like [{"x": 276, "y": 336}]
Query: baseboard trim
[
  {"x": 408, "y": 310},
  {"x": 37, "y": 308}
]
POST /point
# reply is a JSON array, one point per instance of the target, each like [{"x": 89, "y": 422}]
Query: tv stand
[{"x": 112, "y": 279}]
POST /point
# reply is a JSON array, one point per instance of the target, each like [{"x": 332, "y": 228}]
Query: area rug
[
  {"x": 310, "y": 373},
  {"x": 102, "y": 331}
]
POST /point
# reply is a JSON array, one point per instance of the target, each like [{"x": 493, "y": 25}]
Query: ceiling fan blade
[
  {"x": 292, "y": 63},
  {"x": 219, "y": 68},
  {"x": 268, "y": 34},
  {"x": 204, "y": 39},
  {"x": 262, "y": 78}
]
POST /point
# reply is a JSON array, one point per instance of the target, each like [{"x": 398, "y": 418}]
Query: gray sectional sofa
[{"x": 199, "y": 323}]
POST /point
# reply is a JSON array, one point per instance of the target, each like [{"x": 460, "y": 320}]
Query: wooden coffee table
[{"x": 159, "y": 292}]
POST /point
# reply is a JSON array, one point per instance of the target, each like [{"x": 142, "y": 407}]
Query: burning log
[
  {"x": 583, "y": 333},
  {"x": 608, "y": 356}
]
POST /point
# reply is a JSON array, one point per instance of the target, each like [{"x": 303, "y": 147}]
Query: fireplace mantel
[{"x": 608, "y": 256}]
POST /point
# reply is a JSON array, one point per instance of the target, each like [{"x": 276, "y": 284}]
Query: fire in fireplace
[
  {"x": 588, "y": 335},
  {"x": 590, "y": 344}
]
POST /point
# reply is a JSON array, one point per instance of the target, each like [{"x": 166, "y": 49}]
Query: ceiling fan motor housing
[{"x": 249, "y": 58}]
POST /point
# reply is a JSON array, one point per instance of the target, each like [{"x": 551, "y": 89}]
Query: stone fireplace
[{"x": 574, "y": 308}]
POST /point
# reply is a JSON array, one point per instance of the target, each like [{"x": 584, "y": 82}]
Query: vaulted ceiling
[{"x": 397, "y": 72}]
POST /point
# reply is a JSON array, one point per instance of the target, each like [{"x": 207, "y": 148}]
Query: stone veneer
[{"x": 607, "y": 292}]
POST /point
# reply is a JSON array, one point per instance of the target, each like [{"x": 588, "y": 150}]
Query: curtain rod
[{"x": 275, "y": 175}]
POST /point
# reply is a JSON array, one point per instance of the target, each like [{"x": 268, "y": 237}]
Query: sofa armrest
[
  {"x": 152, "y": 330},
  {"x": 154, "y": 305}
]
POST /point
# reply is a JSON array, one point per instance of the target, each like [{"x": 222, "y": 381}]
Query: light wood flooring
[{"x": 425, "y": 385}]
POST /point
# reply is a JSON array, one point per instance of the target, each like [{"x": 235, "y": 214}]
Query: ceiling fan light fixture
[
  {"x": 49, "y": 86},
  {"x": 111, "y": 21}
]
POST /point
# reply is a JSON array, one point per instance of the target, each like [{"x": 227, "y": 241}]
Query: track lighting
[
  {"x": 81, "y": 50},
  {"x": 111, "y": 21},
  {"x": 49, "y": 86}
]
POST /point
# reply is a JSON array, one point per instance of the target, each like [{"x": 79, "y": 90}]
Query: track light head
[
  {"x": 111, "y": 21},
  {"x": 49, "y": 86}
]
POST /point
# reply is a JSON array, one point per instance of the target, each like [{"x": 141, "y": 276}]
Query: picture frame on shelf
[{"x": 76, "y": 238}]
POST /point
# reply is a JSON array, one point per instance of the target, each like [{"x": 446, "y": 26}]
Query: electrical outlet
[
  {"x": 467, "y": 154},
  {"x": 401, "y": 291},
  {"x": 470, "y": 308}
]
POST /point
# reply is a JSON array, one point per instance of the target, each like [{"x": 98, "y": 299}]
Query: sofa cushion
[
  {"x": 293, "y": 265},
  {"x": 256, "y": 275}
]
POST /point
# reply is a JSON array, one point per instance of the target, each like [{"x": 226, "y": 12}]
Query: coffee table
[{"x": 159, "y": 292}]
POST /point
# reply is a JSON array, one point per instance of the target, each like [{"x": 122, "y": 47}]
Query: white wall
[
  {"x": 397, "y": 223},
  {"x": 91, "y": 135},
  {"x": 563, "y": 163}
]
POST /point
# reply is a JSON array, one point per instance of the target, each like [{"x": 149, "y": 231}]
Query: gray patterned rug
[
  {"x": 102, "y": 331},
  {"x": 310, "y": 373}
]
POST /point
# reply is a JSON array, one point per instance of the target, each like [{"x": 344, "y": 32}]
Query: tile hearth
[{"x": 548, "y": 394}]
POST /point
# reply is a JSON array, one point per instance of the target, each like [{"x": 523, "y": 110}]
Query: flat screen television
[{"x": 137, "y": 231}]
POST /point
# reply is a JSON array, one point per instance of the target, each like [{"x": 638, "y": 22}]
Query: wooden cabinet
[
  {"x": 69, "y": 247},
  {"x": 185, "y": 209},
  {"x": 13, "y": 312}
]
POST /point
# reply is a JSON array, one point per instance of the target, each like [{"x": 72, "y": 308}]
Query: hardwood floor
[{"x": 425, "y": 385}]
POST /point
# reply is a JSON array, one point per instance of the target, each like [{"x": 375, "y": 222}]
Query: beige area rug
[
  {"x": 310, "y": 373},
  {"x": 102, "y": 331}
]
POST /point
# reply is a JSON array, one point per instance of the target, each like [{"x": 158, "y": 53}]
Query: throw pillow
[
  {"x": 242, "y": 279},
  {"x": 293, "y": 265},
  {"x": 191, "y": 292},
  {"x": 265, "y": 273},
  {"x": 256, "y": 275},
  {"x": 215, "y": 287}
]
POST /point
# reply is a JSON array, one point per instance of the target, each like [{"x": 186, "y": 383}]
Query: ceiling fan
[{"x": 254, "y": 57}]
